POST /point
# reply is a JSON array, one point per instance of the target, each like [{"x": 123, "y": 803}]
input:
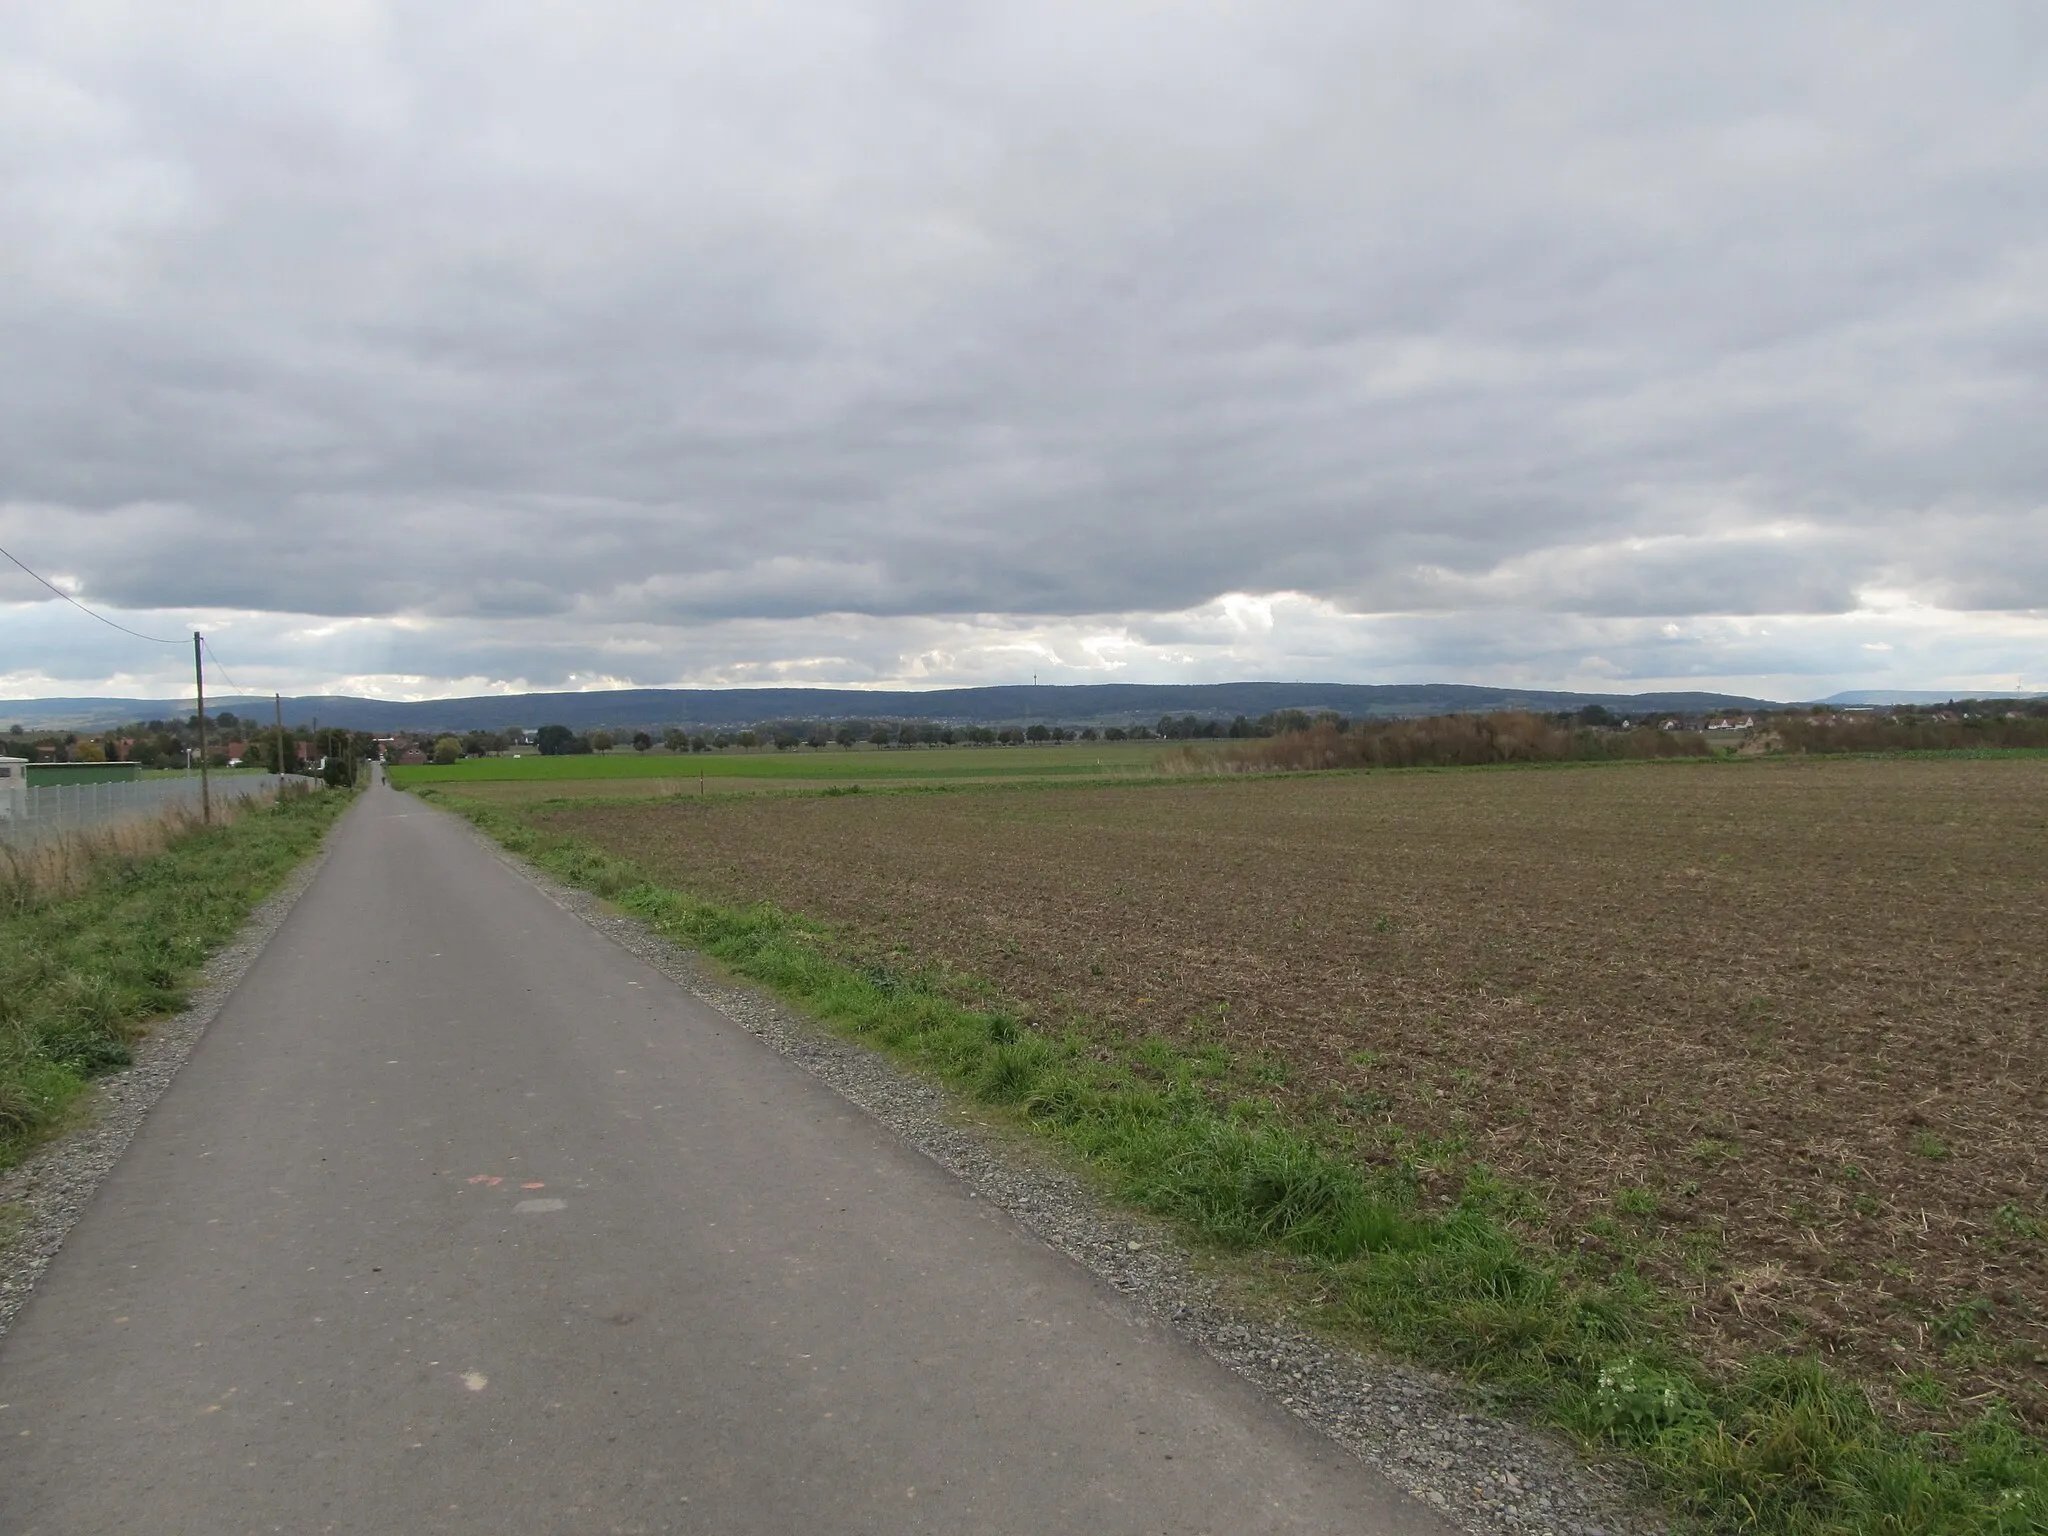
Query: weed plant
[
  {"x": 1776, "y": 1445},
  {"x": 84, "y": 969}
]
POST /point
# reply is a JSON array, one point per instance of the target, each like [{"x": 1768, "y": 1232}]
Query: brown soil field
[{"x": 1775, "y": 1028}]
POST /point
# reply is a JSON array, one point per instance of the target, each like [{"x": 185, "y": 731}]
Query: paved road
[{"x": 462, "y": 1219}]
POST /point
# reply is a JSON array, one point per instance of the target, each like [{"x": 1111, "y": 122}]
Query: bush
[
  {"x": 1443, "y": 741},
  {"x": 1879, "y": 733}
]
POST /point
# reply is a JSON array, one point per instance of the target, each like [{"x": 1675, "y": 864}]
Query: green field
[{"x": 801, "y": 768}]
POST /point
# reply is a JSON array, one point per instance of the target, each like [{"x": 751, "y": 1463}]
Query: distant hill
[
  {"x": 1880, "y": 696},
  {"x": 1073, "y": 704}
]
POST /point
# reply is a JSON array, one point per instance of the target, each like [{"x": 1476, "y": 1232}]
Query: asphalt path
[{"x": 460, "y": 1218}]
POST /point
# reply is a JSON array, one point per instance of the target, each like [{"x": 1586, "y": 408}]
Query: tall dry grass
[
  {"x": 51, "y": 869},
  {"x": 1440, "y": 741}
]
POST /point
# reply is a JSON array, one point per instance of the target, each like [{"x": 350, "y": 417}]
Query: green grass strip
[
  {"x": 81, "y": 976},
  {"x": 1779, "y": 1446}
]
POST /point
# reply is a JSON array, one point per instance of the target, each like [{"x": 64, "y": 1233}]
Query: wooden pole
[
  {"x": 277, "y": 703},
  {"x": 205, "y": 783}
]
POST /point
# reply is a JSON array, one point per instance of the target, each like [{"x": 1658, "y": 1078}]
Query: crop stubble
[{"x": 1774, "y": 1028}]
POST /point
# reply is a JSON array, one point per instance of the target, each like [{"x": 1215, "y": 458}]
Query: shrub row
[{"x": 1448, "y": 741}]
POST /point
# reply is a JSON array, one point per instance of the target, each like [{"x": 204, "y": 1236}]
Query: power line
[
  {"x": 223, "y": 671},
  {"x": 74, "y": 602}
]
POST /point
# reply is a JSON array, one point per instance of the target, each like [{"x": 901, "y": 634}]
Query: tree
[
  {"x": 1115, "y": 733},
  {"x": 675, "y": 740},
  {"x": 881, "y": 736},
  {"x": 748, "y": 739},
  {"x": 601, "y": 741},
  {"x": 1038, "y": 733},
  {"x": 554, "y": 740},
  {"x": 447, "y": 751},
  {"x": 847, "y": 735},
  {"x": 642, "y": 741},
  {"x": 88, "y": 752}
]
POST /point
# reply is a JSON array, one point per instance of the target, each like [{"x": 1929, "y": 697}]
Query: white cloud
[
  {"x": 1275, "y": 635},
  {"x": 489, "y": 342}
]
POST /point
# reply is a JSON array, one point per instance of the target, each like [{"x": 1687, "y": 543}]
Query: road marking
[{"x": 535, "y": 1207}]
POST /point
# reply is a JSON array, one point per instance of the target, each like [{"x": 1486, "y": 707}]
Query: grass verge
[
  {"x": 82, "y": 972},
  {"x": 1780, "y": 1445}
]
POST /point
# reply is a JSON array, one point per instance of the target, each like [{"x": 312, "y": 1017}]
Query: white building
[{"x": 13, "y": 787}]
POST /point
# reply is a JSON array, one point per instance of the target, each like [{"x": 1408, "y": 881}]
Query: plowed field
[{"x": 1775, "y": 1028}]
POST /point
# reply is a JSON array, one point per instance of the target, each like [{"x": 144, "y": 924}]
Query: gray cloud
[{"x": 708, "y": 326}]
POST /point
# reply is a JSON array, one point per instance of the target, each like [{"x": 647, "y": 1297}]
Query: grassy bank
[
  {"x": 84, "y": 968},
  {"x": 1579, "y": 1340}
]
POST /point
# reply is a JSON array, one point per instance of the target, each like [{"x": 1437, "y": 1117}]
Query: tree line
[
  {"x": 176, "y": 744},
  {"x": 789, "y": 735},
  {"x": 1331, "y": 739}
]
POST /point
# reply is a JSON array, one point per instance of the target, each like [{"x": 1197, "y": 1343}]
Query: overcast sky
[{"x": 449, "y": 347}]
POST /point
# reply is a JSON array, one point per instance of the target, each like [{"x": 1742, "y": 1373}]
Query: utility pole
[
  {"x": 205, "y": 783},
  {"x": 277, "y": 703}
]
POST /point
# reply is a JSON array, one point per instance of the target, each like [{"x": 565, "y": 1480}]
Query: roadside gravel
[
  {"x": 45, "y": 1195},
  {"x": 1413, "y": 1426}
]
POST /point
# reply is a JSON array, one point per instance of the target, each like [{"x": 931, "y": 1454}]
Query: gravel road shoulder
[{"x": 1412, "y": 1426}]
